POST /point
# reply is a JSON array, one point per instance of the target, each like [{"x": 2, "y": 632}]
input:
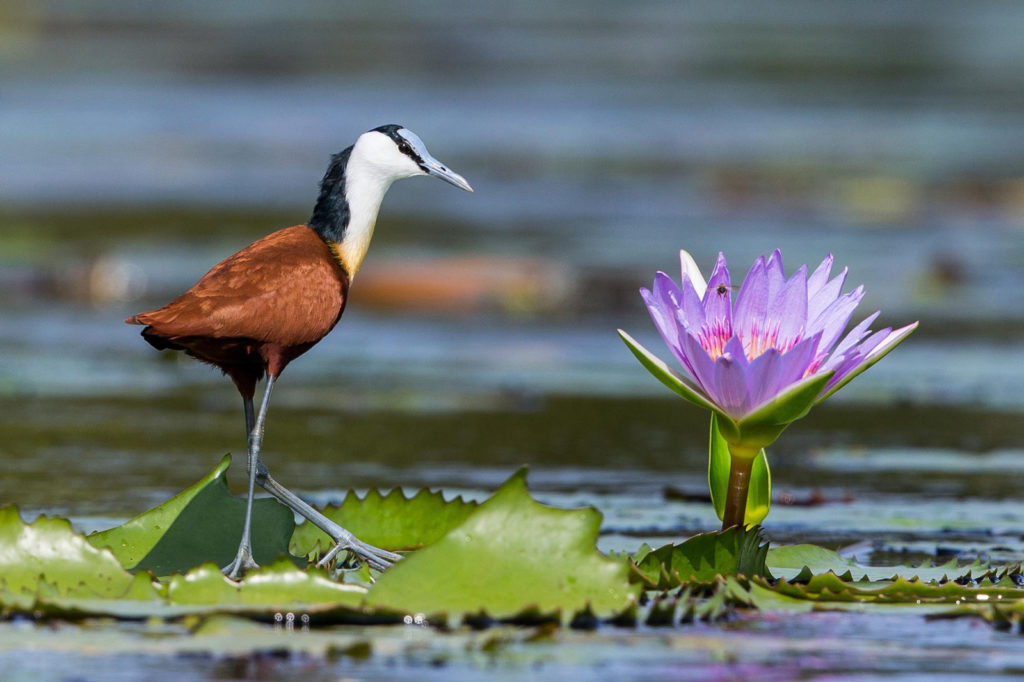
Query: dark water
[{"x": 139, "y": 144}]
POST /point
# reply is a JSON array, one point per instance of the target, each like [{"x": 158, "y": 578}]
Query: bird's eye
[{"x": 404, "y": 147}]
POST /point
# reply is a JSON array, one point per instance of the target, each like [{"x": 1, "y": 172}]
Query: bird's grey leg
[
  {"x": 243, "y": 559},
  {"x": 377, "y": 558}
]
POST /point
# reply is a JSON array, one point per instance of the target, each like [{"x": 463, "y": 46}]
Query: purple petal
[
  {"x": 664, "y": 320},
  {"x": 691, "y": 314},
  {"x": 773, "y": 372},
  {"x": 700, "y": 364},
  {"x": 851, "y": 340},
  {"x": 731, "y": 379},
  {"x": 718, "y": 297},
  {"x": 751, "y": 303},
  {"x": 890, "y": 341},
  {"x": 819, "y": 277},
  {"x": 789, "y": 309},
  {"x": 765, "y": 381},
  {"x": 825, "y": 296},
  {"x": 668, "y": 295},
  {"x": 858, "y": 356},
  {"x": 865, "y": 355},
  {"x": 833, "y": 320},
  {"x": 776, "y": 275}
]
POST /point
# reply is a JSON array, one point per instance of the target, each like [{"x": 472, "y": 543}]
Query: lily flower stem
[{"x": 741, "y": 462}]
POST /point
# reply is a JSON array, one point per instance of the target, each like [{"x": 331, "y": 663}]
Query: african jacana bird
[{"x": 261, "y": 308}]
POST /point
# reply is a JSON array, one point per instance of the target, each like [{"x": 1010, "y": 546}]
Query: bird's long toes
[
  {"x": 236, "y": 569},
  {"x": 379, "y": 559}
]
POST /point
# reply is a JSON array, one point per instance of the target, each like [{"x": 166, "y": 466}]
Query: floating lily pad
[
  {"x": 831, "y": 592},
  {"x": 390, "y": 521},
  {"x": 203, "y": 523},
  {"x": 280, "y": 585},
  {"x": 791, "y": 561},
  {"x": 510, "y": 557},
  {"x": 49, "y": 551}
]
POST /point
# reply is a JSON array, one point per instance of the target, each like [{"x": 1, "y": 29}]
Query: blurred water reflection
[
  {"x": 139, "y": 144},
  {"x": 142, "y": 142}
]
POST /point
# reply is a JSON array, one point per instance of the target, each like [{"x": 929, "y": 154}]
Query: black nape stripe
[
  {"x": 391, "y": 130},
  {"x": 331, "y": 215}
]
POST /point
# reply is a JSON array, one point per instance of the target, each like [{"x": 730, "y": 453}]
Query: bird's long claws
[
  {"x": 243, "y": 562},
  {"x": 374, "y": 557}
]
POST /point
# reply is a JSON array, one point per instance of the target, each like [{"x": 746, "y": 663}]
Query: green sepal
[
  {"x": 675, "y": 381},
  {"x": 760, "y": 428},
  {"x": 759, "y": 494}
]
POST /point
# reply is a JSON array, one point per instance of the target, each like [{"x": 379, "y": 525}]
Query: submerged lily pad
[
  {"x": 203, "y": 523},
  {"x": 791, "y": 561},
  {"x": 510, "y": 557}
]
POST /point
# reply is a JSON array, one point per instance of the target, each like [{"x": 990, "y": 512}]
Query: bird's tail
[{"x": 139, "y": 318}]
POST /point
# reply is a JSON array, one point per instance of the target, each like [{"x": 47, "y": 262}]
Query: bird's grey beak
[{"x": 439, "y": 170}]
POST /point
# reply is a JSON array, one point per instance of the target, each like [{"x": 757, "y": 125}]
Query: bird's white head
[
  {"x": 355, "y": 183},
  {"x": 392, "y": 152}
]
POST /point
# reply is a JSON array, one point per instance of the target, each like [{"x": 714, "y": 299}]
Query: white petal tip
[{"x": 692, "y": 272}]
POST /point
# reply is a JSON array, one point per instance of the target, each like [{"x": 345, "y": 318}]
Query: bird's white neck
[{"x": 365, "y": 186}]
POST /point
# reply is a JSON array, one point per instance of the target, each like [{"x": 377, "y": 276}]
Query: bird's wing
[{"x": 285, "y": 289}]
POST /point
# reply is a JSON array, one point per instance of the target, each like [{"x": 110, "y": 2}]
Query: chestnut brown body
[{"x": 258, "y": 309}]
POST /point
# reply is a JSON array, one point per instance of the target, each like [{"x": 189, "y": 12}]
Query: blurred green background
[{"x": 140, "y": 143}]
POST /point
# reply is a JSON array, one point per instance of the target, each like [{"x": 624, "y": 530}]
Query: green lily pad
[
  {"x": 791, "y": 561},
  {"x": 49, "y": 551},
  {"x": 278, "y": 586},
  {"x": 705, "y": 557},
  {"x": 203, "y": 523},
  {"x": 833, "y": 592},
  {"x": 390, "y": 521},
  {"x": 511, "y": 556}
]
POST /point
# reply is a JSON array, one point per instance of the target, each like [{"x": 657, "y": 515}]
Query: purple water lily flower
[
  {"x": 759, "y": 361},
  {"x": 762, "y": 357}
]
